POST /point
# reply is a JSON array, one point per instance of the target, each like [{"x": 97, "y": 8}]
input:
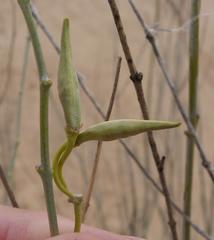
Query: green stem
[
  {"x": 26, "y": 9},
  {"x": 193, "y": 85},
  {"x": 78, "y": 200},
  {"x": 45, "y": 83}
]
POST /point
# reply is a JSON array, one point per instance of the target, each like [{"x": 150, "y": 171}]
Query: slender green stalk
[
  {"x": 26, "y": 9},
  {"x": 44, "y": 170},
  {"x": 193, "y": 84},
  {"x": 78, "y": 200}
]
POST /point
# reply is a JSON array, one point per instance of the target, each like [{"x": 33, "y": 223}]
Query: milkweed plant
[
  {"x": 105, "y": 131},
  {"x": 68, "y": 91}
]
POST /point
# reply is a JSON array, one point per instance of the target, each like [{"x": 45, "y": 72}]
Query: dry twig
[
  {"x": 7, "y": 188},
  {"x": 205, "y": 162},
  {"x": 136, "y": 78},
  {"x": 99, "y": 144}
]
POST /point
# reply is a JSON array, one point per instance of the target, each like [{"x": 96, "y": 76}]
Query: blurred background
[{"x": 123, "y": 200}]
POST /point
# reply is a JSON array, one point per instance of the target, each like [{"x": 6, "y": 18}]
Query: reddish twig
[
  {"x": 136, "y": 78},
  {"x": 99, "y": 144},
  {"x": 8, "y": 189}
]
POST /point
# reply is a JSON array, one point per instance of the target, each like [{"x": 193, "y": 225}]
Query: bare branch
[
  {"x": 18, "y": 113},
  {"x": 136, "y": 78},
  {"x": 8, "y": 189},
  {"x": 99, "y": 144},
  {"x": 11, "y": 51},
  {"x": 150, "y": 37}
]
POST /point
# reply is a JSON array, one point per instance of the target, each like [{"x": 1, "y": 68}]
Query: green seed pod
[
  {"x": 68, "y": 83},
  {"x": 111, "y": 130}
]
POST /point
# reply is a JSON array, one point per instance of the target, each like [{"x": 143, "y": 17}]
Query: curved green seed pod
[
  {"x": 112, "y": 130},
  {"x": 68, "y": 83}
]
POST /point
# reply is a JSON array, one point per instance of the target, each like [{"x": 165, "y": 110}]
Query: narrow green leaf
[
  {"x": 68, "y": 83},
  {"x": 111, "y": 130}
]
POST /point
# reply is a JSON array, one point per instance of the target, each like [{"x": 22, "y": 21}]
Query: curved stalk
[{"x": 59, "y": 160}]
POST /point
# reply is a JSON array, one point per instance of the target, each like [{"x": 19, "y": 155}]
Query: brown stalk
[
  {"x": 136, "y": 78},
  {"x": 99, "y": 143},
  {"x": 7, "y": 188}
]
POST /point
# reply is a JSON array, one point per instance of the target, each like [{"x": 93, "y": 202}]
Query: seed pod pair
[
  {"x": 105, "y": 131},
  {"x": 69, "y": 96}
]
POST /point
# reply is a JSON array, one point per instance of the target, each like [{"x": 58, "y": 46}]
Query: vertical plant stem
[
  {"x": 136, "y": 78},
  {"x": 11, "y": 51},
  {"x": 211, "y": 212},
  {"x": 99, "y": 144},
  {"x": 78, "y": 200},
  {"x": 8, "y": 189},
  {"x": 132, "y": 220},
  {"x": 193, "y": 88},
  {"x": 12, "y": 160},
  {"x": 44, "y": 169},
  {"x": 5, "y": 86},
  {"x": 147, "y": 208}
]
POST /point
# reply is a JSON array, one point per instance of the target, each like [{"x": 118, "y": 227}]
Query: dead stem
[
  {"x": 99, "y": 143},
  {"x": 136, "y": 78},
  {"x": 8, "y": 189}
]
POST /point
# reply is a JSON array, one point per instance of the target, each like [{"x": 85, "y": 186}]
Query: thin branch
[
  {"x": 205, "y": 162},
  {"x": 99, "y": 144},
  {"x": 12, "y": 160},
  {"x": 211, "y": 211},
  {"x": 158, "y": 188},
  {"x": 43, "y": 27},
  {"x": 132, "y": 223},
  {"x": 45, "y": 83},
  {"x": 11, "y": 51},
  {"x": 175, "y": 8},
  {"x": 111, "y": 102},
  {"x": 8, "y": 189},
  {"x": 134, "y": 157},
  {"x": 136, "y": 78},
  {"x": 148, "y": 209}
]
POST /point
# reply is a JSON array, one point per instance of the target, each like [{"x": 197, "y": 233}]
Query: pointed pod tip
[
  {"x": 23, "y": 2},
  {"x": 65, "y": 25},
  {"x": 176, "y": 124},
  {"x": 66, "y": 22},
  {"x": 65, "y": 39},
  {"x": 165, "y": 124}
]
